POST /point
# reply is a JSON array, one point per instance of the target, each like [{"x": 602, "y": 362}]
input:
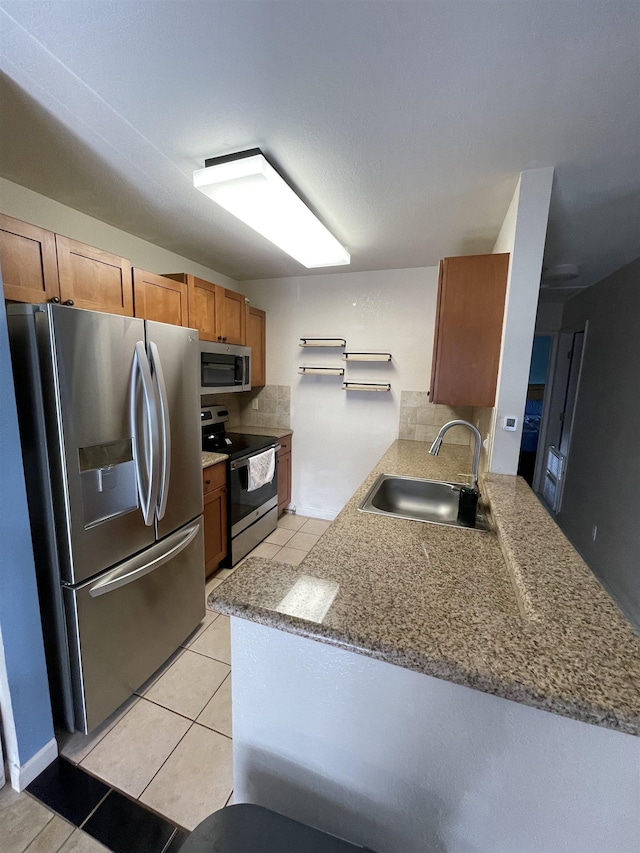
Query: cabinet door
[
  {"x": 156, "y": 297},
  {"x": 214, "y": 477},
  {"x": 215, "y": 529},
  {"x": 28, "y": 259},
  {"x": 469, "y": 318},
  {"x": 94, "y": 279},
  {"x": 256, "y": 336},
  {"x": 231, "y": 316},
  {"x": 201, "y": 299},
  {"x": 284, "y": 481}
]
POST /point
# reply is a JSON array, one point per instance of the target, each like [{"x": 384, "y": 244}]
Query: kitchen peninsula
[{"x": 454, "y": 700}]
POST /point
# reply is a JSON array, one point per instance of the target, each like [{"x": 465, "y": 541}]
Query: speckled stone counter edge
[
  {"x": 507, "y": 515},
  {"x": 210, "y": 458},
  {"x": 447, "y": 671}
]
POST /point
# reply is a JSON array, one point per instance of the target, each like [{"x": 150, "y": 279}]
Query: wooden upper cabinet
[
  {"x": 218, "y": 314},
  {"x": 202, "y": 306},
  {"x": 28, "y": 261},
  {"x": 94, "y": 279},
  {"x": 256, "y": 339},
  {"x": 231, "y": 316},
  {"x": 468, "y": 334},
  {"x": 156, "y": 297}
]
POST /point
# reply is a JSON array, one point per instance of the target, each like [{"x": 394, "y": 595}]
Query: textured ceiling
[{"x": 404, "y": 125}]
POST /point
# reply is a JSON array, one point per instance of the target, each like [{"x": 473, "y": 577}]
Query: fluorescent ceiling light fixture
[{"x": 248, "y": 186}]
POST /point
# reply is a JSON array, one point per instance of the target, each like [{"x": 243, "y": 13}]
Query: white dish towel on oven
[{"x": 262, "y": 468}]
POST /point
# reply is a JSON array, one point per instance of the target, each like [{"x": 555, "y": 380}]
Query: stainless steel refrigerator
[{"x": 109, "y": 412}]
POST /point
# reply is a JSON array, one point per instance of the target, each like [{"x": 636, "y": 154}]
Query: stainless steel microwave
[{"x": 224, "y": 368}]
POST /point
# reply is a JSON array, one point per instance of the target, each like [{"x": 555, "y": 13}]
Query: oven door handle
[{"x": 244, "y": 462}]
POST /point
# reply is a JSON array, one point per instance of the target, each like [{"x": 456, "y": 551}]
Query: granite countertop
[
  {"x": 276, "y": 432},
  {"x": 538, "y": 629},
  {"x": 209, "y": 458}
]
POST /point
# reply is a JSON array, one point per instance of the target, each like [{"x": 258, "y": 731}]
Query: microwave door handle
[
  {"x": 145, "y": 437},
  {"x": 165, "y": 430}
]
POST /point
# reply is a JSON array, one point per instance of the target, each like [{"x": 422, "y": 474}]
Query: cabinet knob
[
  {"x": 69, "y": 302},
  {"x": 224, "y": 340},
  {"x": 219, "y": 337},
  {"x": 55, "y": 299},
  {"x": 206, "y": 482}
]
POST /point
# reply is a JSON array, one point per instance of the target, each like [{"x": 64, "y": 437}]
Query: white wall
[
  {"x": 405, "y": 763},
  {"x": 523, "y": 235},
  {"x": 338, "y": 435},
  {"x": 44, "y": 212}
]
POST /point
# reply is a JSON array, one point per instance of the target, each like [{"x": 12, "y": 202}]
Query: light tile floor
[
  {"x": 170, "y": 745},
  {"x": 28, "y": 825}
]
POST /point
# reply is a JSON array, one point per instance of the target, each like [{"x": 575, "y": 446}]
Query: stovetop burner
[
  {"x": 215, "y": 438},
  {"x": 240, "y": 444}
]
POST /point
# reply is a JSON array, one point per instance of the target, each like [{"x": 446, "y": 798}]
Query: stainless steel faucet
[{"x": 435, "y": 447}]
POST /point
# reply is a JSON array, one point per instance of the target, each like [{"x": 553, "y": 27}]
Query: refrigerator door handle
[
  {"x": 145, "y": 440},
  {"x": 137, "y": 567},
  {"x": 165, "y": 429}
]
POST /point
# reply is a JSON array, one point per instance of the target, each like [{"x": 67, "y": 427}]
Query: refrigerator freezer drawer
[{"x": 124, "y": 624}]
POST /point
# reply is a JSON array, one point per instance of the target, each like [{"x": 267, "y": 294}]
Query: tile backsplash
[
  {"x": 273, "y": 401},
  {"x": 420, "y": 420},
  {"x": 274, "y": 407}
]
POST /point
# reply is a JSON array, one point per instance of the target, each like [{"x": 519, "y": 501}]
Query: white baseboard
[
  {"x": 310, "y": 512},
  {"x": 22, "y": 775}
]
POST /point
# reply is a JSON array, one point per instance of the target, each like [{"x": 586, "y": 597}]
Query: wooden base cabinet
[
  {"x": 468, "y": 334},
  {"x": 214, "y": 486},
  {"x": 284, "y": 474}
]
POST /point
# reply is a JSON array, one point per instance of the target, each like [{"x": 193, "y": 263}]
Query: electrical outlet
[
  {"x": 254, "y": 404},
  {"x": 594, "y": 532}
]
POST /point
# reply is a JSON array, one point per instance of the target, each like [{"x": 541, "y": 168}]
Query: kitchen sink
[{"x": 431, "y": 501}]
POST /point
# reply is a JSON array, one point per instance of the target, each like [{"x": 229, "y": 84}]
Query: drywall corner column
[
  {"x": 24, "y": 689},
  {"x": 523, "y": 235}
]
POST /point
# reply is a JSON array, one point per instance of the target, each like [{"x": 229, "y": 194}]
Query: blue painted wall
[
  {"x": 19, "y": 610},
  {"x": 540, "y": 359}
]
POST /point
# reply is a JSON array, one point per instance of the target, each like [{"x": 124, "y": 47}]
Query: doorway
[
  {"x": 538, "y": 378},
  {"x": 558, "y": 416}
]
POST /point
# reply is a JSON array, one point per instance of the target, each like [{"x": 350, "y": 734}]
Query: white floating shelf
[
  {"x": 323, "y": 342},
  {"x": 366, "y": 386},
  {"x": 322, "y": 371},
  {"x": 366, "y": 356}
]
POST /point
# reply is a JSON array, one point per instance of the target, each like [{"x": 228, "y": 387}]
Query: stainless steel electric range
[{"x": 251, "y": 515}]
